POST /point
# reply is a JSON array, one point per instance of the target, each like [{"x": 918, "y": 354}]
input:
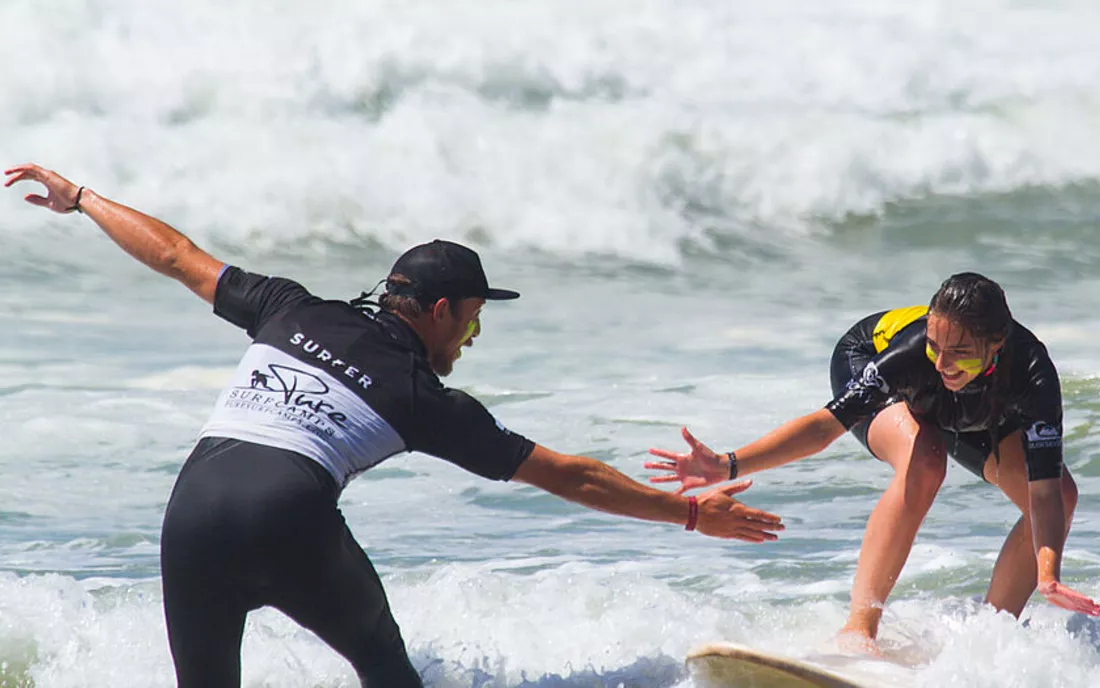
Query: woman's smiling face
[{"x": 958, "y": 355}]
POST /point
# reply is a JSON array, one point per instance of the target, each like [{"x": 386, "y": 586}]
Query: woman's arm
[
  {"x": 789, "y": 442},
  {"x": 795, "y": 439},
  {"x": 1048, "y": 532}
]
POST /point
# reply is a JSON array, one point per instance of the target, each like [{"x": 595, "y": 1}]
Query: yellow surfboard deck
[{"x": 726, "y": 665}]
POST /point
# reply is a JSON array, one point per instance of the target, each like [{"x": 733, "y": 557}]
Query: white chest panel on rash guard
[
  {"x": 345, "y": 388},
  {"x": 277, "y": 400}
]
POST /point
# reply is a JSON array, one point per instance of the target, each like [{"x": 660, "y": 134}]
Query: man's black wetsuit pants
[{"x": 249, "y": 526}]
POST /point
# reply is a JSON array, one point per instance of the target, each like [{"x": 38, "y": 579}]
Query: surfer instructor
[
  {"x": 327, "y": 390},
  {"x": 961, "y": 378}
]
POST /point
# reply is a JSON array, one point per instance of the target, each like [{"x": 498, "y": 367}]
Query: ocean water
[{"x": 695, "y": 199}]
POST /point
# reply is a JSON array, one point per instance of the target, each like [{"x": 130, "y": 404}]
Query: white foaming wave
[
  {"x": 474, "y": 624},
  {"x": 559, "y": 621},
  {"x": 56, "y": 631},
  {"x": 575, "y": 127}
]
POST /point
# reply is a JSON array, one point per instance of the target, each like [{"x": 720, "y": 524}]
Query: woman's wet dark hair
[
  {"x": 975, "y": 302},
  {"x": 978, "y": 304}
]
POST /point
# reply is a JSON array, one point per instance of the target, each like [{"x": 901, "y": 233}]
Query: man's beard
[{"x": 441, "y": 364}]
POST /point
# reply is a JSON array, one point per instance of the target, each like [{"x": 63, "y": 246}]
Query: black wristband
[
  {"x": 733, "y": 465},
  {"x": 76, "y": 202}
]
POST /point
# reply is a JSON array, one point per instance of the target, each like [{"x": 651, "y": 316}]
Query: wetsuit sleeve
[
  {"x": 881, "y": 379},
  {"x": 1041, "y": 410},
  {"x": 249, "y": 300},
  {"x": 457, "y": 428}
]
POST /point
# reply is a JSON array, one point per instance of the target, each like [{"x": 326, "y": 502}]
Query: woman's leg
[
  {"x": 1014, "y": 574},
  {"x": 917, "y": 454}
]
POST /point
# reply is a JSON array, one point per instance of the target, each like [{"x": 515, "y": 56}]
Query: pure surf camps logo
[
  {"x": 292, "y": 383},
  {"x": 289, "y": 392}
]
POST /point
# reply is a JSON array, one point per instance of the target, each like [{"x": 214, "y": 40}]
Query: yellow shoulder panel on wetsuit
[{"x": 893, "y": 322}]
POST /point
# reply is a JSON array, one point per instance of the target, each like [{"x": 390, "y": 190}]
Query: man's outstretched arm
[
  {"x": 146, "y": 238},
  {"x": 599, "y": 486}
]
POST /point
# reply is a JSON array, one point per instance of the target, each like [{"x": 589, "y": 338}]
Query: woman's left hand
[
  {"x": 697, "y": 468},
  {"x": 1068, "y": 598}
]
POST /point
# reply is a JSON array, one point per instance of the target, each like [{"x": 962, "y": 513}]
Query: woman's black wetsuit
[{"x": 882, "y": 360}]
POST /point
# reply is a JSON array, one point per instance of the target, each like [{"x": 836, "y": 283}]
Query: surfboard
[{"x": 726, "y": 665}]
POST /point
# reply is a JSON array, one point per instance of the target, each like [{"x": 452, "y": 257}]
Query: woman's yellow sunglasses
[{"x": 970, "y": 366}]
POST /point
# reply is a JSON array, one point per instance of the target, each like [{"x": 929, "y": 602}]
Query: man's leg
[
  {"x": 203, "y": 607},
  {"x": 339, "y": 596},
  {"x": 205, "y": 621},
  {"x": 917, "y": 454},
  {"x": 1015, "y": 573},
  {"x": 205, "y": 638}
]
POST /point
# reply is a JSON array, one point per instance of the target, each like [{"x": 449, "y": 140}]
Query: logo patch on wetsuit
[
  {"x": 870, "y": 378},
  {"x": 1043, "y": 435}
]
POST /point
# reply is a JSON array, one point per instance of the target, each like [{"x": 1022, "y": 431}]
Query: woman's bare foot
[{"x": 857, "y": 642}]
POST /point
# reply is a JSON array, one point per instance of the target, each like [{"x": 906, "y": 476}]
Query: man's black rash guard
[
  {"x": 345, "y": 388},
  {"x": 899, "y": 370}
]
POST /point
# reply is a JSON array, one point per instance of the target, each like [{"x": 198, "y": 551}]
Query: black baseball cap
[{"x": 443, "y": 269}]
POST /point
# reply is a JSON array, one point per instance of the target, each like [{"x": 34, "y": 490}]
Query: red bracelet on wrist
[{"x": 693, "y": 513}]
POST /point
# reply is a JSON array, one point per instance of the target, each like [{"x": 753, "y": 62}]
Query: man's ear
[{"x": 439, "y": 307}]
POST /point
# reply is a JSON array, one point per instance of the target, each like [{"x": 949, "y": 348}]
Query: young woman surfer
[{"x": 915, "y": 385}]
